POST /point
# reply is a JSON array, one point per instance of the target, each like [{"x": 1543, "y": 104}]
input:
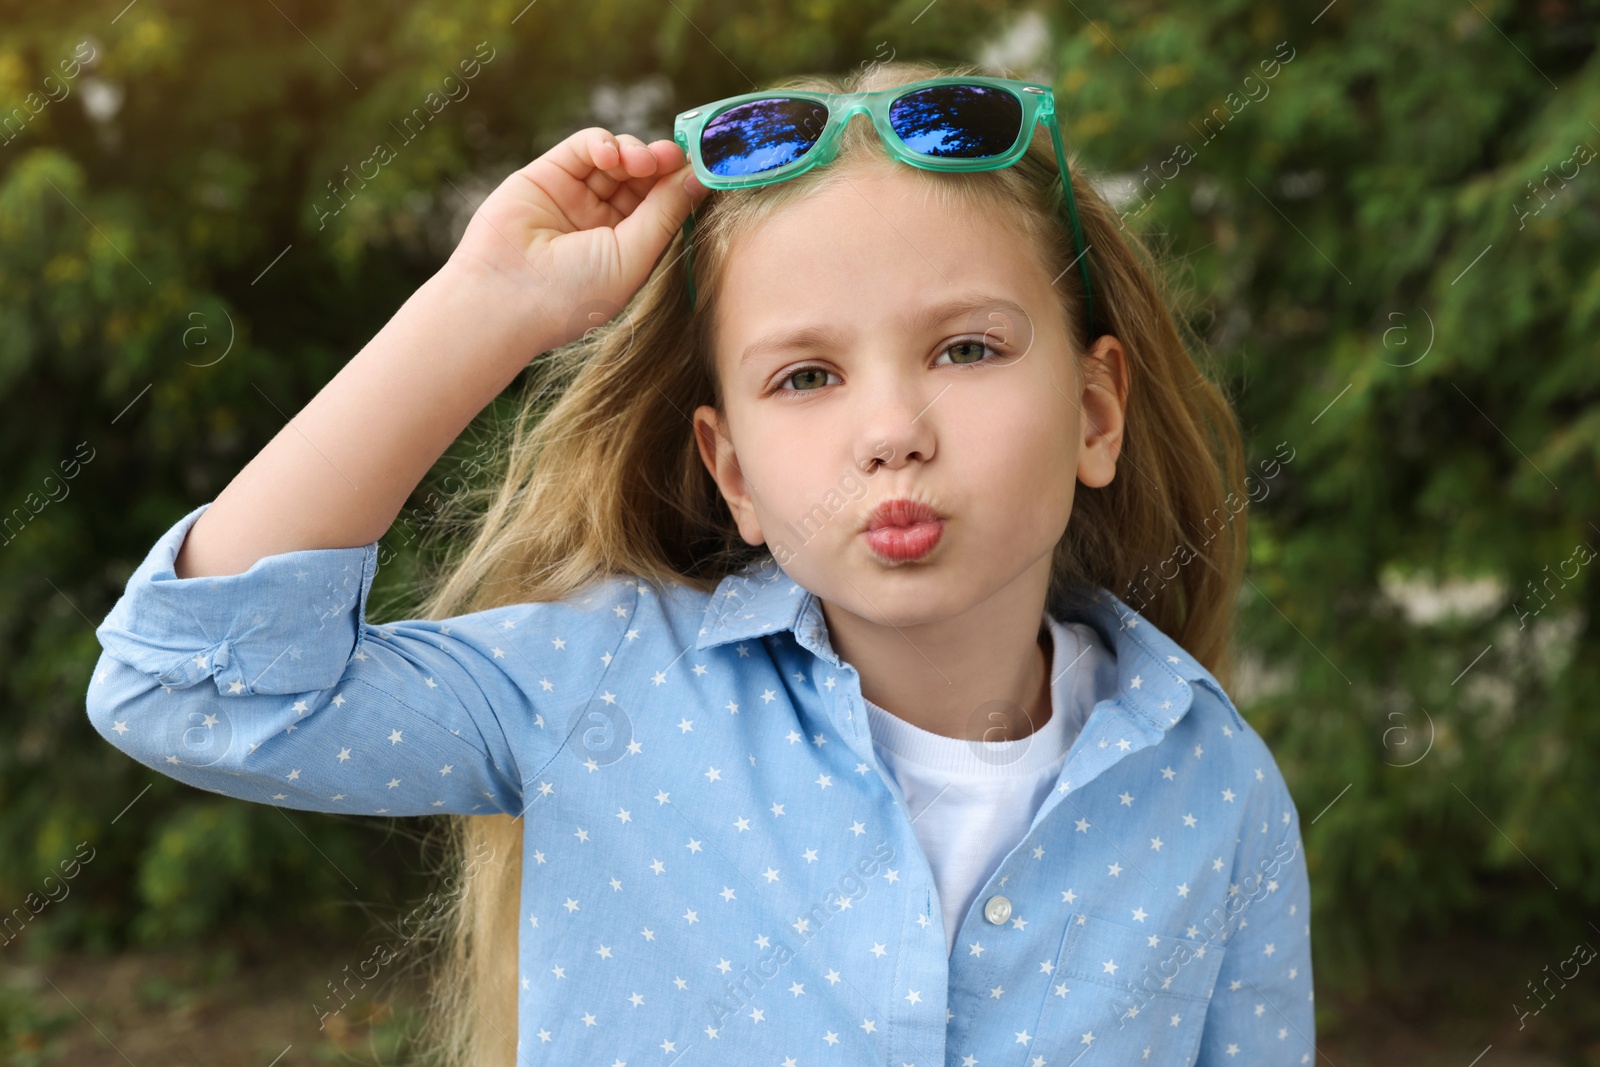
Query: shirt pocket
[
  {"x": 1127, "y": 993},
  {"x": 1139, "y": 961}
]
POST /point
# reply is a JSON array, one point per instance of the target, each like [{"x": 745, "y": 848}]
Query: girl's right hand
[
  {"x": 572, "y": 234},
  {"x": 582, "y": 225}
]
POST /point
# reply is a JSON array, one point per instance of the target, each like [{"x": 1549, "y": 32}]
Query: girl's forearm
[{"x": 340, "y": 471}]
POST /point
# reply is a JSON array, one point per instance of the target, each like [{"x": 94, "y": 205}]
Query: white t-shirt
[{"x": 972, "y": 801}]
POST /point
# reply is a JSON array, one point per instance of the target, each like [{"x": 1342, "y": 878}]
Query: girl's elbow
[
  {"x": 160, "y": 726},
  {"x": 108, "y": 697}
]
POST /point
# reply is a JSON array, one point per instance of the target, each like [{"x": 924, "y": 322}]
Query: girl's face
[{"x": 874, "y": 345}]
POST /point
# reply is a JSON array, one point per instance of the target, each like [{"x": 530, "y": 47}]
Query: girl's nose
[{"x": 894, "y": 421}]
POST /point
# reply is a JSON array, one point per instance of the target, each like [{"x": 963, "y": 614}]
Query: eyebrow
[{"x": 810, "y": 338}]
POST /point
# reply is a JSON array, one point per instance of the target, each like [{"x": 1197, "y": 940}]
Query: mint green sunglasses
[{"x": 949, "y": 124}]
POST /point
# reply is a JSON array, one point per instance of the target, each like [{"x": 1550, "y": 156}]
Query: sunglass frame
[{"x": 1038, "y": 106}]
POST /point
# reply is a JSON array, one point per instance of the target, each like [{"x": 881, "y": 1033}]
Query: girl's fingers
[
  {"x": 649, "y": 227},
  {"x": 626, "y": 195},
  {"x": 615, "y": 172},
  {"x": 669, "y": 160},
  {"x": 625, "y": 199},
  {"x": 637, "y": 160},
  {"x": 669, "y": 157},
  {"x": 640, "y": 165},
  {"x": 604, "y": 152},
  {"x": 635, "y": 163},
  {"x": 603, "y": 160},
  {"x": 589, "y": 151}
]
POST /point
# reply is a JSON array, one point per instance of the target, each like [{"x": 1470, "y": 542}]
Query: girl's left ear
[{"x": 1103, "y": 405}]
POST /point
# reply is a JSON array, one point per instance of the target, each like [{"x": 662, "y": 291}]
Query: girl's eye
[
  {"x": 805, "y": 380},
  {"x": 972, "y": 352}
]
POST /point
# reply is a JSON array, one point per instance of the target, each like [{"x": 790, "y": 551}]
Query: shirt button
[{"x": 998, "y": 910}]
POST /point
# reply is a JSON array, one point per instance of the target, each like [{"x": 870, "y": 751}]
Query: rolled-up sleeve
[
  {"x": 270, "y": 685},
  {"x": 289, "y": 624}
]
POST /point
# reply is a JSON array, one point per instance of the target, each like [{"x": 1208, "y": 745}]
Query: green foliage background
[{"x": 1360, "y": 242}]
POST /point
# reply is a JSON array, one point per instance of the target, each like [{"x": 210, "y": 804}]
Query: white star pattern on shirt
[{"x": 729, "y": 711}]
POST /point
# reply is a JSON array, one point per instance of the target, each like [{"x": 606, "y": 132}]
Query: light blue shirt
[{"x": 716, "y": 862}]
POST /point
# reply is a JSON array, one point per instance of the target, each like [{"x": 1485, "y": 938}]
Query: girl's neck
[{"x": 982, "y": 676}]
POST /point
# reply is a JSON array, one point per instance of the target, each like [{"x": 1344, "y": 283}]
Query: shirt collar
[{"x": 1155, "y": 675}]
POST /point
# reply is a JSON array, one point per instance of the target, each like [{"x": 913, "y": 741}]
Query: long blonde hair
[{"x": 602, "y": 477}]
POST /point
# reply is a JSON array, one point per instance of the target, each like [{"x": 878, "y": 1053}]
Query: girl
[{"x": 785, "y": 713}]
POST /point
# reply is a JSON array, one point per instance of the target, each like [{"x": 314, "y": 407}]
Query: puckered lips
[{"x": 902, "y": 529}]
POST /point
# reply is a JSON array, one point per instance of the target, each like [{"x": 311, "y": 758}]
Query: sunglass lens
[
  {"x": 761, "y": 135},
  {"x": 960, "y": 121}
]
